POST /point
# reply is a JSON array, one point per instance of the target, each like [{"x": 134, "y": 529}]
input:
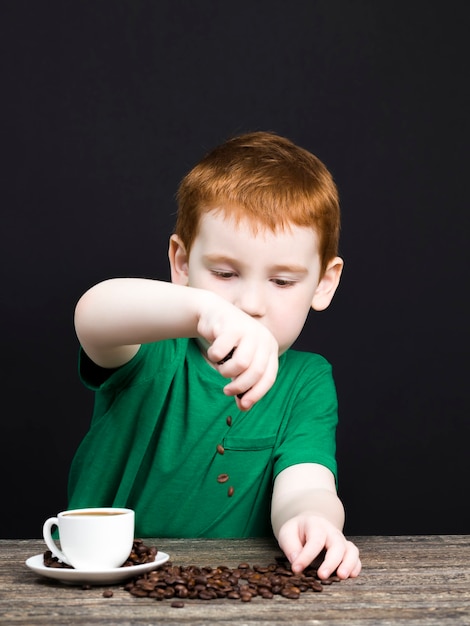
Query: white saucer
[{"x": 104, "y": 577}]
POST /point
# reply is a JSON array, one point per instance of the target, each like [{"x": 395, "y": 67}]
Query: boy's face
[{"x": 274, "y": 277}]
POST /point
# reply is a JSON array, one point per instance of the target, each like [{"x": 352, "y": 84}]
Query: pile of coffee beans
[
  {"x": 140, "y": 554},
  {"x": 52, "y": 561},
  {"x": 192, "y": 582},
  {"x": 245, "y": 582}
]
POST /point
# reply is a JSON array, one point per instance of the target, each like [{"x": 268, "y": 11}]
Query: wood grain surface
[{"x": 406, "y": 580}]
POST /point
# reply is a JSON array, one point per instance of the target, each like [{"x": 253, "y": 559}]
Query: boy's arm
[
  {"x": 113, "y": 318},
  {"x": 307, "y": 516}
]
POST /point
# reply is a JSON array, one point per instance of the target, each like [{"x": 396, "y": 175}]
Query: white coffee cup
[{"x": 92, "y": 539}]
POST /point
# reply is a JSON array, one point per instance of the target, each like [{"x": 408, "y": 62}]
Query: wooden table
[{"x": 416, "y": 580}]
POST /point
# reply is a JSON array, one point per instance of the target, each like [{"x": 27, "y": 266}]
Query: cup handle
[{"x": 46, "y": 532}]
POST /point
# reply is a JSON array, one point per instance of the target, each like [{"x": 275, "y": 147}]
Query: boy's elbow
[{"x": 85, "y": 316}]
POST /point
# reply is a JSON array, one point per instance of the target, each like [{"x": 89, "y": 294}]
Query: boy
[{"x": 205, "y": 422}]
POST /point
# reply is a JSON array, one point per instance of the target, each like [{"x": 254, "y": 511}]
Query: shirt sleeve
[
  {"x": 309, "y": 433},
  {"x": 91, "y": 374}
]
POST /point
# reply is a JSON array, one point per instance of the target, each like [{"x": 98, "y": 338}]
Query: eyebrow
[
  {"x": 221, "y": 258},
  {"x": 292, "y": 269}
]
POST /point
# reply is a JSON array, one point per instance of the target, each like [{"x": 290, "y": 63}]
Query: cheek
[
  {"x": 287, "y": 321},
  {"x": 290, "y": 321}
]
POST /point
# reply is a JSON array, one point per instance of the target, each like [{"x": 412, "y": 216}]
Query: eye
[
  {"x": 223, "y": 274},
  {"x": 283, "y": 282}
]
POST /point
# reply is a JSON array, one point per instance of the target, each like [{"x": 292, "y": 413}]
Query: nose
[{"x": 252, "y": 300}]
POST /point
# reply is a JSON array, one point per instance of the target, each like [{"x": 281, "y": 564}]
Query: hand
[
  {"x": 241, "y": 349},
  {"x": 302, "y": 539}
]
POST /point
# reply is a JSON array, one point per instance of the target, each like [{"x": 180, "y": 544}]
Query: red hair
[{"x": 267, "y": 180}]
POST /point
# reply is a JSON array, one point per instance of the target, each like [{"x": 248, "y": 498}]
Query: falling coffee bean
[
  {"x": 222, "y": 478},
  {"x": 220, "y": 449},
  {"x": 229, "y": 420},
  {"x": 230, "y": 492}
]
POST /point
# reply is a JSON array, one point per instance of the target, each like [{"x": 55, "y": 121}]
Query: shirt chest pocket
[
  {"x": 248, "y": 463},
  {"x": 249, "y": 443}
]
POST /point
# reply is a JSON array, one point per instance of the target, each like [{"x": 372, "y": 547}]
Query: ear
[
  {"x": 328, "y": 284},
  {"x": 178, "y": 261}
]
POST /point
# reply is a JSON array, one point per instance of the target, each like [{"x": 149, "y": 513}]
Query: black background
[{"x": 106, "y": 105}]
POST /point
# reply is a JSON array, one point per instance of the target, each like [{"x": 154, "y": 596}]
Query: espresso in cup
[
  {"x": 92, "y": 513},
  {"x": 92, "y": 539}
]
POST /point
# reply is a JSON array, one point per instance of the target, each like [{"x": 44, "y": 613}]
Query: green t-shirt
[{"x": 158, "y": 421}]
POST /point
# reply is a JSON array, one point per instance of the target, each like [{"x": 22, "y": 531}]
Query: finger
[
  {"x": 309, "y": 552},
  {"x": 333, "y": 558},
  {"x": 246, "y": 399},
  {"x": 289, "y": 541},
  {"x": 221, "y": 350},
  {"x": 301, "y": 545},
  {"x": 341, "y": 557},
  {"x": 253, "y": 383},
  {"x": 351, "y": 563},
  {"x": 356, "y": 570}
]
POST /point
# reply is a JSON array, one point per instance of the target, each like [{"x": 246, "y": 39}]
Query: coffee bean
[
  {"x": 222, "y": 478},
  {"x": 107, "y": 593},
  {"x": 230, "y": 492},
  {"x": 140, "y": 554},
  {"x": 145, "y": 584},
  {"x": 177, "y": 605},
  {"x": 52, "y": 561},
  {"x": 229, "y": 420},
  {"x": 292, "y": 593},
  {"x": 227, "y": 357},
  {"x": 181, "y": 591},
  {"x": 138, "y": 592},
  {"x": 220, "y": 449}
]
